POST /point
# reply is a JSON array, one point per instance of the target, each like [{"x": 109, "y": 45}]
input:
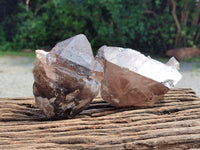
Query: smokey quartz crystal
[
  {"x": 67, "y": 78},
  {"x": 132, "y": 79}
]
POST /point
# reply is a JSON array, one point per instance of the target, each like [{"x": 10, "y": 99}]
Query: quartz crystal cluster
[{"x": 67, "y": 78}]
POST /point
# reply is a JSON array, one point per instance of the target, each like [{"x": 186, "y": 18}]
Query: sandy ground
[
  {"x": 190, "y": 76},
  {"x": 16, "y": 77}
]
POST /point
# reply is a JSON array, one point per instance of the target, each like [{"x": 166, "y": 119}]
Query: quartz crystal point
[
  {"x": 173, "y": 62},
  {"x": 132, "y": 79},
  {"x": 67, "y": 78}
]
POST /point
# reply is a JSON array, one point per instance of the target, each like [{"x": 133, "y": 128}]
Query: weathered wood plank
[{"x": 173, "y": 123}]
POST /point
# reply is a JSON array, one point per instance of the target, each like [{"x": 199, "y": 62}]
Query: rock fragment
[
  {"x": 66, "y": 79},
  {"x": 183, "y": 53},
  {"x": 132, "y": 79}
]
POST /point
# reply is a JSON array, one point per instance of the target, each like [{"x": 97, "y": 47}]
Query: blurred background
[{"x": 150, "y": 26}]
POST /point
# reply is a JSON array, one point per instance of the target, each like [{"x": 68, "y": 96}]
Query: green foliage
[
  {"x": 4, "y": 45},
  {"x": 16, "y": 53},
  {"x": 144, "y": 25},
  {"x": 2, "y": 35},
  {"x": 195, "y": 59}
]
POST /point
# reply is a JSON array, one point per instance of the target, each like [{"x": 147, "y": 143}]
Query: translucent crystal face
[
  {"x": 139, "y": 63},
  {"x": 76, "y": 49}
]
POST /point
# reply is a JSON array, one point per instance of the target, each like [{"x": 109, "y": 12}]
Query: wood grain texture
[{"x": 173, "y": 123}]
